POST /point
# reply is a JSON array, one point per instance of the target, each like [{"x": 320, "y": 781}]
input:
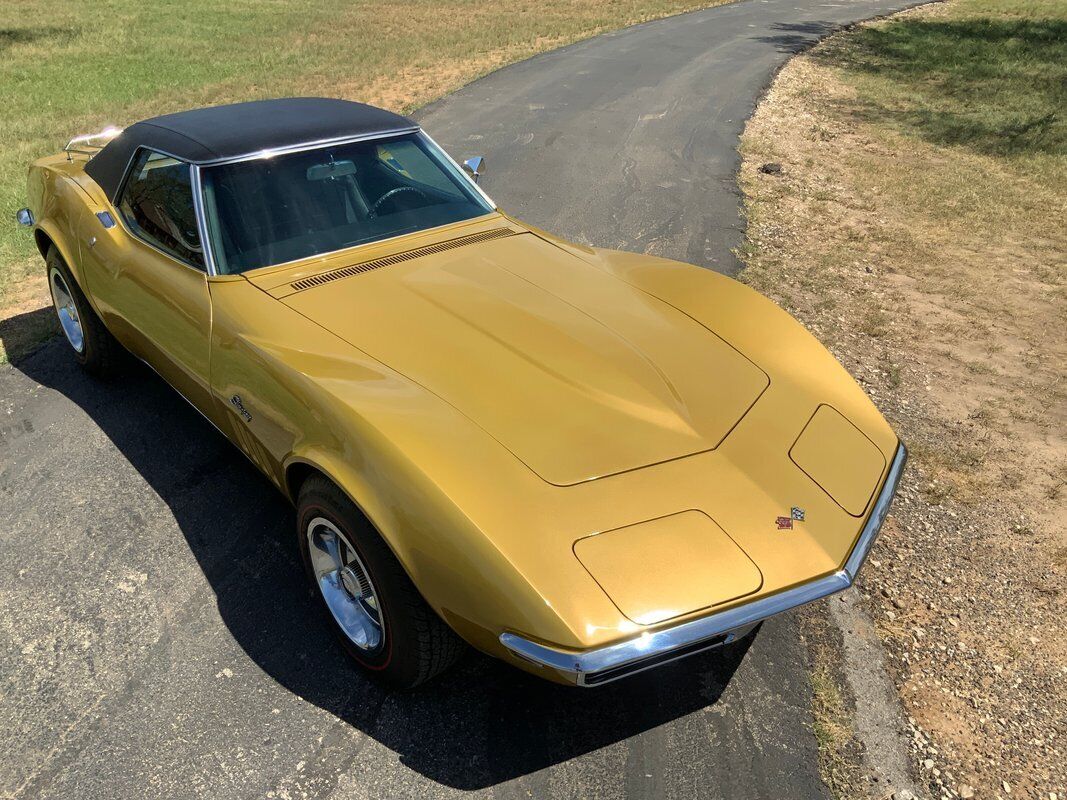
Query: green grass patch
[
  {"x": 833, "y": 733},
  {"x": 989, "y": 76}
]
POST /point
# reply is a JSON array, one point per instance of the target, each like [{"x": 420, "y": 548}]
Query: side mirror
[
  {"x": 474, "y": 167},
  {"x": 24, "y": 216}
]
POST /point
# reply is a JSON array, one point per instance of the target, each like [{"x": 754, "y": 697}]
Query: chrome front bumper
[{"x": 651, "y": 649}]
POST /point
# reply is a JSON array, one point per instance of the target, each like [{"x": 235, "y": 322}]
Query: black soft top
[{"x": 222, "y": 133}]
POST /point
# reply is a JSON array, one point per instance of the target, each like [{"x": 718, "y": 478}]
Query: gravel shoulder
[{"x": 935, "y": 268}]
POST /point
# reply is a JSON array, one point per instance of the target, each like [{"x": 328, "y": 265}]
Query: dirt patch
[{"x": 936, "y": 271}]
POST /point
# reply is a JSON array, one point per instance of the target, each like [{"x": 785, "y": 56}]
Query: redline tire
[{"x": 416, "y": 645}]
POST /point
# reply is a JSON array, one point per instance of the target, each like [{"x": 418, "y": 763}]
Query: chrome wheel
[
  {"x": 345, "y": 585},
  {"x": 66, "y": 310}
]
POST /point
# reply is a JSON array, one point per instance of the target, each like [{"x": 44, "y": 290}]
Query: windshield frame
[{"x": 448, "y": 162}]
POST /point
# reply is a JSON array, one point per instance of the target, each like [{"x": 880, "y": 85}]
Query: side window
[{"x": 157, "y": 204}]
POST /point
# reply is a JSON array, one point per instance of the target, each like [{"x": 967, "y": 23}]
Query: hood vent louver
[{"x": 440, "y": 247}]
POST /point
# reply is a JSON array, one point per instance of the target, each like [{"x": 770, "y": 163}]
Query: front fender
[
  {"x": 457, "y": 568},
  {"x": 416, "y": 468}
]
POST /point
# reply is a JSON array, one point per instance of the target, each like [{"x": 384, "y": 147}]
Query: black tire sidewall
[
  {"x": 87, "y": 317},
  {"x": 317, "y": 505},
  {"x": 101, "y": 354}
]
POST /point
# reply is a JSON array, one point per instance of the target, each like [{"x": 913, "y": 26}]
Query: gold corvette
[{"x": 584, "y": 462}]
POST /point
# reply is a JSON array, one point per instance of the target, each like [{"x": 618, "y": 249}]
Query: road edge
[{"x": 876, "y": 714}]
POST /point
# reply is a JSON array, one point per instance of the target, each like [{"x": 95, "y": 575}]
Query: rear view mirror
[{"x": 330, "y": 170}]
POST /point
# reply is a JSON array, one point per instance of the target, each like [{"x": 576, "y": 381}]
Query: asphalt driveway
[{"x": 157, "y": 639}]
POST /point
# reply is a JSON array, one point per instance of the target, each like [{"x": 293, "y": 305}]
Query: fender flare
[
  {"x": 298, "y": 467},
  {"x": 47, "y": 233}
]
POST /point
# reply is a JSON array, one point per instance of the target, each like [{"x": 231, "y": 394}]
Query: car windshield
[{"x": 275, "y": 209}]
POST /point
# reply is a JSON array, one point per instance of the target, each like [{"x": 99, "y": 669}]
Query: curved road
[{"x": 157, "y": 639}]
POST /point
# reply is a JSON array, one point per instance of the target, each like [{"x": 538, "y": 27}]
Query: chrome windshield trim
[
  {"x": 301, "y": 146},
  {"x": 668, "y": 644},
  {"x": 201, "y": 221},
  {"x": 459, "y": 170},
  {"x": 205, "y": 238}
]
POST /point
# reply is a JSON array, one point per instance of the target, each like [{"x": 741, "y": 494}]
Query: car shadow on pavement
[
  {"x": 22, "y": 333},
  {"x": 480, "y": 724}
]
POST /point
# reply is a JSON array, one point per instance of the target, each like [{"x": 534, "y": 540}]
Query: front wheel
[{"x": 377, "y": 613}]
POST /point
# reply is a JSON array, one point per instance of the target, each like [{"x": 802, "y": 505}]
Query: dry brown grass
[
  {"x": 937, "y": 271},
  {"x": 840, "y": 752}
]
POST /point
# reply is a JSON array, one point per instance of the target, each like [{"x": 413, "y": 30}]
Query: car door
[{"x": 146, "y": 273}]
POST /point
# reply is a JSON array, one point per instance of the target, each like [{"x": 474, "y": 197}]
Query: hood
[{"x": 576, "y": 373}]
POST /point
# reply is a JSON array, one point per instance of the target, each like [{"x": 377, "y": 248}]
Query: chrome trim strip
[
  {"x": 878, "y": 514},
  {"x": 129, "y": 232},
  {"x": 300, "y": 146},
  {"x": 87, "y": 147},
  {"x": 462, "y": 172},
  {"x": 659, "y": 644},
  {"x": 201, "y": 220},
  {"x": 126, "y": 172}
]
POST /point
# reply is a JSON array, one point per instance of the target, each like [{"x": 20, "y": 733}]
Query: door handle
[{"x": 91, "y": 241}]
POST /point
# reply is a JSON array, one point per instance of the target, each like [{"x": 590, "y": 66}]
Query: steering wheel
[{"x": 394, "y": 193}]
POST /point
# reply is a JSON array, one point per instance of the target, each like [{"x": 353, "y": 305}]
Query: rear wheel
[
  {"x": 94, "y": 347},
  {"x": 377, "y": 613}
]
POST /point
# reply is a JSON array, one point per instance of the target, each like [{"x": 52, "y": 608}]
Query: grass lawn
[
  {"x": 74, "y": 67},
  {"x": 917, "y": 227},
  {"x": 988, "y": 76}
]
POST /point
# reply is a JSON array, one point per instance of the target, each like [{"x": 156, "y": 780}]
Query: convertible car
[{"x": 584, "y": 462}]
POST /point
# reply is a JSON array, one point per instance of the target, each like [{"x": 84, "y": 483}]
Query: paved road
[{"x": 157, "y": 639}]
